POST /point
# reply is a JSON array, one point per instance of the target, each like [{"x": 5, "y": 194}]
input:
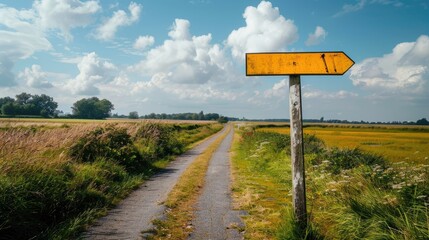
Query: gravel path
[
  {"x": 135, "y": 213},
  {"x": 215, "y": 218}
]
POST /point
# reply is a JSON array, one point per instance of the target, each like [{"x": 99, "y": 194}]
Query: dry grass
[{"x": 182, "y": 198}]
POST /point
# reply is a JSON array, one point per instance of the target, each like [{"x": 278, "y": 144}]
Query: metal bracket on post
[{"x": 297, "y": 150}]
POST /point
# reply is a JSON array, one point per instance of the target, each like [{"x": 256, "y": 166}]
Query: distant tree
[
  {"x": 92, "y": 108},
  {"x": 133, "y": 115},
  {"x": 4, "y": 101},
  {"x": 201, "y": 115},
  {"x": 222, "y": 119},
  {"x": 27, "y": 104},
  {"x": 322, "y": 119},
  {"x": 422, "y": 121}
]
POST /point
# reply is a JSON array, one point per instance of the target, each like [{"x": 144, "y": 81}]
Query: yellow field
[{"x": 395, "y": 143}]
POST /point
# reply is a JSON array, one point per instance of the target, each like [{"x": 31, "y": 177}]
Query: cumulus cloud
[
  {"x": 318, "y": 36},
  {"x": 142, "y": 42},
  {"x": 184, "y": 59},
  {"x": 187, "y": 66},
  {"x": 20, "y": 37},
  {"x": 120, "y": 18},
  {"x": 92, "y": 71},
  {"x": 65, "y": 14},
  {"x": 35, "y": 77},
  {"x": 265, "y": 30},
  {"x": 405, "y": 70}
]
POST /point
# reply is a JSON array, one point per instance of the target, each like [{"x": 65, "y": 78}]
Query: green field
[{"x": 396, "y": 143}]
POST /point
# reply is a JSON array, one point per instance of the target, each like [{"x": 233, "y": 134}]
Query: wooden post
[{"x": 297, "y": 151}]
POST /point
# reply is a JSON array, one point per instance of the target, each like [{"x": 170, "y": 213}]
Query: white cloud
[
  {"x": 180, "y": 30},
  {"x": 348, "y": 8},
  {"x": 142, "y": 42},
  {"x": 265, "y": 30},
  {"x": 279, "y": 89},
  {"x": 360, "y": 4},
  {"x": 35, "y": 77},
  {"x": 341, "y": 94},
  {"x": 19, "y": 39},
  {"x": 318, "y": 36},
  {"x": 185, "y": 59},
  {"x": 186, "y": 66},
  {"x": 65, "y": 14},
  {"x": 120, "y": 18},
  {"x": 92, "y": 71},
  {"x": 405, "y": 70}
]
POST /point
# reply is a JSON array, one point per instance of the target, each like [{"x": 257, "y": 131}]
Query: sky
[{"x": 174, "y": 56}]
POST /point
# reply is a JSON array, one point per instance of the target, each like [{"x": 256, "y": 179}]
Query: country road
[
  {"x": 136, "y": 213},
  {"x": 215, "y": 218}
]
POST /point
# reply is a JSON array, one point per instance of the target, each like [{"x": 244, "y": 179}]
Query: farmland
[
  {"x": 396, "y": 143},
  {"x": 352, "y": 193},
  {"x": 57, "y": 176}
]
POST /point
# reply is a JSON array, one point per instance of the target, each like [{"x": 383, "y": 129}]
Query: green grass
[
  {"x": 351, "y": 194},
  {"x": 55, "y": 179}
]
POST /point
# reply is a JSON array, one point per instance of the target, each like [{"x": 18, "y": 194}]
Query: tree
[
  {"x": 92, "y": 108},
  {"x": 133, "y": 115},
  {"x": 4, "y": 101},
  {"x": 27, "y": 104},
  {"x": 222, "y": 119},
  {"x": 422, "y": 121}
]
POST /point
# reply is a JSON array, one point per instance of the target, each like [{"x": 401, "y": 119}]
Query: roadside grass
[
  {"x": 395, "y": 143},
  {"x": 56, "y": 179},
  {"x": 351, "y": 194},
  {"x": 181, "y": 200}
]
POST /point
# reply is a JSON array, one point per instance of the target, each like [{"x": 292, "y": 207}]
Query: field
[
  {"x": 396, "y": 143},
  {"x": 57, "y": 176},
  {"x": 351, "y": 193}
]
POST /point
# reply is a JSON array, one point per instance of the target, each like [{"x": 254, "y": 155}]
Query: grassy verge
[
  {"x": 54, "y": 180},
  {"x": 182, "y": 198},
  {"x": 351, "y": 194}
]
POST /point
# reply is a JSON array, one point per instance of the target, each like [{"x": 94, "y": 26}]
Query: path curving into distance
[
  {"x": 214, "y": 218},
  {"x": 135, "y": 213}
]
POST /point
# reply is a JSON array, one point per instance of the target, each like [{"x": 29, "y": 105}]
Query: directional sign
[{"x": 297, "y": 63}]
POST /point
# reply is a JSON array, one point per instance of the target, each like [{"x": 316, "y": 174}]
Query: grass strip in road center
[{"x": 182, "y": 198}]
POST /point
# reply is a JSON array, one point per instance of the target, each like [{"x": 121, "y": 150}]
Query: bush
[
  {"x": 110, "y": 143},
  {"x": 156, "y": 141}
]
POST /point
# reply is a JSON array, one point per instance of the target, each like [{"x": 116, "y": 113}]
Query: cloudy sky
[{"x": 171, "y": 56}]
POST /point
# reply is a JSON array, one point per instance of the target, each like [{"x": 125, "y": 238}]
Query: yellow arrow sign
[{"x": 297, "y": 63}]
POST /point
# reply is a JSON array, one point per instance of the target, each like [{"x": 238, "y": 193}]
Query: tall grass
[
  {"x": 351, "y": 194},
  {"x": 54, "y": 180}
]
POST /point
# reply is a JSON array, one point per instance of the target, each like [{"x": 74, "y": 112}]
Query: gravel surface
[
  {"x": 215, "y": 218},
  {"x": 135, "y": 213}
]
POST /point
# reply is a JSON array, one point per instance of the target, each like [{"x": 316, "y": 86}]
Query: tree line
[{"x": 26, "y": 104}]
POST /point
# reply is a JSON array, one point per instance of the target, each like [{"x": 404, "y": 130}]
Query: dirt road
[
  {"x": 215, "y": 218},
  {"x": 135, "y": 214}
]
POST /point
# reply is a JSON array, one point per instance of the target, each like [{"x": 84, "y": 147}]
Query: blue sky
[{"x": 170, "y": 56}]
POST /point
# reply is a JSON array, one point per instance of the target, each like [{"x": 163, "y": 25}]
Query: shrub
[
  {"x": 110, "y": 143},
  {"x": 157, "y": 141}
]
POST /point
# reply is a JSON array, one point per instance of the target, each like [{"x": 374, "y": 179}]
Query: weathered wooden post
[
  {"x": 294, "y": 65},
  {"x": 297, "y": 150}
]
